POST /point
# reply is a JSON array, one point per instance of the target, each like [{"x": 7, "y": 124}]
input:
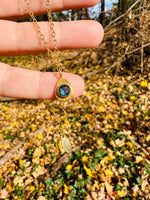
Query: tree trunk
[
  {"x": 119, "y": 8},
  {"x": 102, "y": 15},
  {"x": 80, "y": 14},
  {"x": 73, "y": 15},
  {"x": 86, "y": 14},
  {"x": 123, "y": 6}
]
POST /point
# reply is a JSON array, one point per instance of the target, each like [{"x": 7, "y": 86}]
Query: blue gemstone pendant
[{"x": 64, "y": 90}]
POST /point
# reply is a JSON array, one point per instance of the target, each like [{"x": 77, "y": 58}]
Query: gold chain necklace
[{"x": 64, "y": 90}]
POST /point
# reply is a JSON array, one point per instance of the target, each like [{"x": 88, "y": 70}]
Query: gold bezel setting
[{"x": 61, "y": 83}]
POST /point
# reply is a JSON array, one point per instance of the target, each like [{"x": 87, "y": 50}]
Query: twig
[
  {"x": 63, "y": 159},
  {"x": 139, "y": 48},
  {"x": 9, "y": 155},
  {"x": 115, "y": 64},
  {"x": 137, "y": 80},
  {"x": 7, "y": 99},
  {"x": 141, "y": 14},
  {"x": 115, "y": 20}
]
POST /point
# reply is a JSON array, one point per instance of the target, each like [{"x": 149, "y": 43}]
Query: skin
[{"x": 22, "y": 39}]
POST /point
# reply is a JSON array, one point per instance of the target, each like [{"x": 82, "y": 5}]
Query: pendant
[
  {"x": 64, "y": 90},
  {"x": 66, "y": 144}
]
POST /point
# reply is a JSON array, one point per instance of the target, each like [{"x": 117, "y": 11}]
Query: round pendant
[{"x": 64, "y": 90}]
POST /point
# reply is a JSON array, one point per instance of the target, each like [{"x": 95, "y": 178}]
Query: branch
[
  {"x": 63, "y": 159},
  {"x": 7, "y": 99},
  {"x": 139, "y": 48},
  {"x": 9, "y": 155},
  {"x": 115, "y": 20}
]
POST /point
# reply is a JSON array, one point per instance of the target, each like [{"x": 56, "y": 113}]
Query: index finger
[
  {"x": 27, "y": 84},
  {"x": 17, "y": 8}
]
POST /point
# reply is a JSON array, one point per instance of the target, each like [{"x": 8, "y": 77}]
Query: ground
[{"x": 108, "y": 127}]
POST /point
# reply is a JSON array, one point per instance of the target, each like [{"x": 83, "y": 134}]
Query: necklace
[{"x": 64, "y": 90}]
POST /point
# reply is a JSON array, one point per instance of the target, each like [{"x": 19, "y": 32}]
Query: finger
[
  {"x": 15, "y": 8},
  {"x": 23, "y": 38},
  {"x": 27, "y": 84}
]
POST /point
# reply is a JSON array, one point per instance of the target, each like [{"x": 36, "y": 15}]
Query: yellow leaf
[
  {"x": 21, "y": 162},
  {"x": 97, "y": 67},
  {"x": 88, "y": 171},
  {"x": 39, "y": 136},
  {"x": 125, "y": 44},
  {"x": 122, "y": 119},
  {"x": 108, "y": 172},
  {"x": 14, "y": 124},
  {"x": 50, "y": 129},
  {"x": 101, "y": 108},
  {"x": 126, "y": 152},
  {"x": 42, "y": 160},
  {"x": 109, "y": 188},
  {"x": 102, "y": 163},
  {"x": 20, "y": 115},
  {"x": 85, "y": 93},
  {"x": 67, "y": 188},
  {"x": 144, "y": 83},
  {"x": 100, "y": 83},
  {"x": 60, "y": 147},
  {"x": 134, "y": 194},
  {"x": 115, "y": 125},
  {"x": 75, "y": 162},
  {"x": 8, "y": 116},
  {"x": 132, "y": 98},
  {"x": 5, "y": 108},
  {"x": 109, "y": 116},
  {"x": 108, "y": 103},
  {"x": 146, "y": 118},
  {"x": 32, "y": 188},
  {"x": 124, "y": 112},
  {"x": 84, "y": 158},
  {"x": 105, "y": 160},
  {"x": 131, "y": 116},
  {"x": 121, "y": 193},
  {"x": 101, "y": 99},
  {"x": 48, "y": 117},
  {"x": 109, "y": 158},
  {"x": 64, "y": 126},
  {"x": 33, "y": 127},
  {"x": 87, "y": 115},
  {"x": 69, "y": 167},
  {"x": 9, "y": 188},
  {"x": 96, "y": 185},
  {"x": 91, "y": 87},
  {"x": 129, "y": 144}
]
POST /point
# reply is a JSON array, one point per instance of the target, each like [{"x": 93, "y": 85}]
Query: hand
[{"x": 23, "y": 39}]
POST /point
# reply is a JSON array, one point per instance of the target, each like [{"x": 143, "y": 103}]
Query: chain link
[
  {"x": 55, "y": 62},
  {"x": 53, "y": 34}
]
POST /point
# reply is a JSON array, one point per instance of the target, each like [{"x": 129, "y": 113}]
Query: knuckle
[
  {"x": 19, "y": 36},
  {"x": 5, "y": 74},
  {"x": 41, "y": 84}
]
